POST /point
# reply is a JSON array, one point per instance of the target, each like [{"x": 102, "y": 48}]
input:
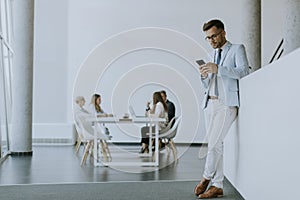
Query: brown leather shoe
[
  {"x": 212, "y": 192},
  {"x": 201, "y": 187}
]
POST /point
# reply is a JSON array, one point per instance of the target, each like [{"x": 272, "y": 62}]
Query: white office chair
[
  {"x": 169, "y": 133},
  {"x": 79, "y": 137},
  {"x": 86, "y": 135}
]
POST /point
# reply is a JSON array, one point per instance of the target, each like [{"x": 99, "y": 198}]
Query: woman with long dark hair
[
  {"x": 95, "y": 107},
  {"x": 95, "y": 104},
  {"x": 159, "y": 109}
]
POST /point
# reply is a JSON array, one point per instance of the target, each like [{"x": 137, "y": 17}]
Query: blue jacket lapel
[{"x": 225, "y": 51}]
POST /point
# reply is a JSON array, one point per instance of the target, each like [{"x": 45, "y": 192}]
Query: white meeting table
[{"x": 140, "y": 120}]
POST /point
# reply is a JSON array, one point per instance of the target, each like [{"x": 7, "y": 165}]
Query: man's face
[
  {"x": 215, "y": 37},
  {"x": 163, "y": 97}
]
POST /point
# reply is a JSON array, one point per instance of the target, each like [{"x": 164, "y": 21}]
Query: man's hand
[
  {"x": 202, "y": 71},
  {"x": 208, "y": 68}
]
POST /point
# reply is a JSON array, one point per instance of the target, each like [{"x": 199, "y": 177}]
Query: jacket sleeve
[
  {"x": 240, "y": 68},
  {"x": 205, "y": 81},
  {"x": 171, "y": 110}
]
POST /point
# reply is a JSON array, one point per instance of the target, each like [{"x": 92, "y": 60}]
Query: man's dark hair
[
  {"x": 164, "y": 92},
  {"x": 215, "y": 22}
]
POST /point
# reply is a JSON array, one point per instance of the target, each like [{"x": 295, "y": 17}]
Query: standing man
[
  {"x": 221, "y": 101},
  {"x": 171, "y": 107}
]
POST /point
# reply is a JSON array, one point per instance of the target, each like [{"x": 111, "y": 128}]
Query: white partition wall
[{"x": 262, "y": 148}]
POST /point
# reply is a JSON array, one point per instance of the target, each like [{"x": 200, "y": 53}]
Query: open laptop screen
[{"x": 133, "y": 114}]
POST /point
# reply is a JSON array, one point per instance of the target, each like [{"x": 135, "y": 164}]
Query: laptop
[{"x": 132, "y": 112}]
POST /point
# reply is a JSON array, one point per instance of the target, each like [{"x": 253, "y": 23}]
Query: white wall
[
  {"x": 273, "y": 17},
  {"x": 262, "y": 148},
  {"x": 64, "y": 39},
  {"x": 50, "y": 84},
  {"x": 50, "y": 63},
  {"x": 123, "y": 72},
  {"x": 121, "y": 53}
]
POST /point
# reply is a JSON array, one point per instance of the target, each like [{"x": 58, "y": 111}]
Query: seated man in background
[{"x": 171, "y": 106}]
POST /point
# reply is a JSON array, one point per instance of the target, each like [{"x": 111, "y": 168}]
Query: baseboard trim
[
  {"x": 52, "y": 141},
  {"x": 176, "y": 143},
  {"x": 54, "y": 134},
  {"x": 29, "y": 153}
]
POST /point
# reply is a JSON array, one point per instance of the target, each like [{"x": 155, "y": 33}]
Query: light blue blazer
[{"x": 233, "y": 66}]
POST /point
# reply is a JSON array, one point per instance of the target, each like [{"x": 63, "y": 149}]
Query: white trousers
[{"x": 218, "y": 119}]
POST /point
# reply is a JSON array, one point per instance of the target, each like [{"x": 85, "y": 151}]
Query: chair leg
[
  {"x": 84, "y": 145},
  {"x": 107, "y": 151},
  {"x": 85, "y": 154},
  {"x": 104, "y": 153},
  {"x": 174, "y": 150},
  {"x": 168, "y": 148},
  {"x": 78, "y": 143},
  {"x": 91, "y": 149}
]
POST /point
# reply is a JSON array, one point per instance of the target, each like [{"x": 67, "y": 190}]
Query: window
[{"x": 6, "y": 54}]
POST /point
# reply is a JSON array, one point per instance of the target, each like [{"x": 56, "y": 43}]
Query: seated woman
[
  {"x": 159, "y": 109},
  {"x": 95, "y": 107}
]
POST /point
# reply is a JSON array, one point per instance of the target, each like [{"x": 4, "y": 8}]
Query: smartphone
[{"x": 200, "y": 62}]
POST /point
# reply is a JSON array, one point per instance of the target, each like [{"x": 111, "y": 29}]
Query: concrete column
[
  {"x": 22, "y": 41},
  {"x": 251, "y": 31},
  {"x": 291, "y": 26}
]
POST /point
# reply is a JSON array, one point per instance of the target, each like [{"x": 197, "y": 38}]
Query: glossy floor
[{"x": 60, "y": 164}]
